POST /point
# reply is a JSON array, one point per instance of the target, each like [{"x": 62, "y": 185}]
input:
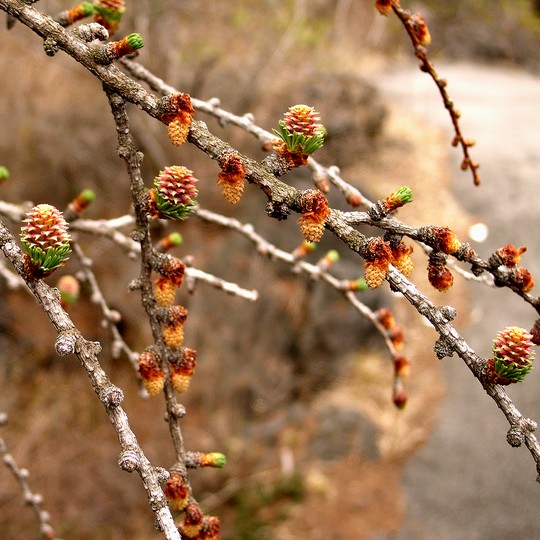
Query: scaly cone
[
  {"x": 175, "y": 193},
  {"x": 513, "y": 355},
  {"x": 301, "y": 134},
  {"x": 45, "y": 238}
]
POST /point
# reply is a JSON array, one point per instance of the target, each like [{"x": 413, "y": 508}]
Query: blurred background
[{"x": 296, "y": 388}]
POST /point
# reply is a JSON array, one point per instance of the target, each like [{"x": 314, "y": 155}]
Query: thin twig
[
  {"x": 427, "y": 66},
  {"x": 34, "y": 500}
]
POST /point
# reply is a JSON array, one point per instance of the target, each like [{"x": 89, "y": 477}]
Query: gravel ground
[{"x": 467, "y": 483}]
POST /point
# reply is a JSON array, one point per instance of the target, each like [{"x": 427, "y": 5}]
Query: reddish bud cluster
[
  {"x": 178, "y": 117},
  {"x": 419, "y": 29},
  {"x": 152, "y": 375},
  {"x": 438, "y": 274},
  {"x": 401, "y": 366},
  {"x": 535, "y": 332},
  {"x": 174, "y": 271},
  {"x": 394, "y": 331},
  {"x": 443, "y": 239},
  {"x": 210, "y": 529},
  {"x": 378, "y": 256},
  {"x": 232, "y": 177},
  {"x": 294, "y": 159},
  {"x": 399, "y": 396},
  {"x": 315, "y": 210},
  {"x": 181, "y": 372},
  {"x": 177, "y": 491},
  {"x": 173, "y": 333},
  {"x": 508, "y": 256},
  {"x": 192, "y": 521},
  {"x": 523, "y": 279}
]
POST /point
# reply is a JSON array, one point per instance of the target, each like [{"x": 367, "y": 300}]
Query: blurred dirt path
[{"x": 467, "y": 483}]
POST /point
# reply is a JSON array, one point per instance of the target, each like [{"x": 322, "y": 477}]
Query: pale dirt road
[{"x": 467, "y": 483}]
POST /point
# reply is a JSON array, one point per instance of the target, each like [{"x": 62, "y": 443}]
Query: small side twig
[
  {"x": 427, "y": 66},
  {"x": 34, "y": 500}
]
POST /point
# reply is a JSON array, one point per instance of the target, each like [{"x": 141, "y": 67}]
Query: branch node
[
  {"x": 129, "y": 460},
  {"x": 278, "y": 210},
  {"x": 65, "y": 342},
  {"x": 443, "y": 348},
  {"x": 177, "y": 411},
  {"x": 515, "y": 436},
  {"x": 448, "y": 312},
  {"x": 528, "y": 425},
  {"x": 134, "y": 285},
  {"x": 111, "y": 397},
  {"x": 50, "y": 46},
  {"x": 138, "y": 235},
  {"x": 162, "y": 474},
  {"x": 91, "y": 31}
]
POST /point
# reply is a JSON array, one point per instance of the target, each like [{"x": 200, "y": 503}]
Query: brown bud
[
  {"x": 181, "y": 372},
  {"x": 378, "y": 255},
  {"x": 510, "y": 255},
  {"x": 439, "y": 276},
  {"x": 192, "y": 522},
  {"x": 354, "y": 199},
  {"x": 385, "y": 317},
  {"x": 535, "y": 332},
  {"x": 315, "y": 210},
  {"x": 178, "y": 116},
  {"x": 210, "y": 528},
  {"x": 443, "y": 239},
  {"x": 232, "y": 177},
  {"x": 396, "y": 337},
  {"x": 176, "y": 491},
  {"x": 399, "y": 396},
  {"x": 153, "y": 377},
  {"x": 523, "y": 279},
  {"x": 420, "y": 29},
  {"x": 401, "y": 366}
]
